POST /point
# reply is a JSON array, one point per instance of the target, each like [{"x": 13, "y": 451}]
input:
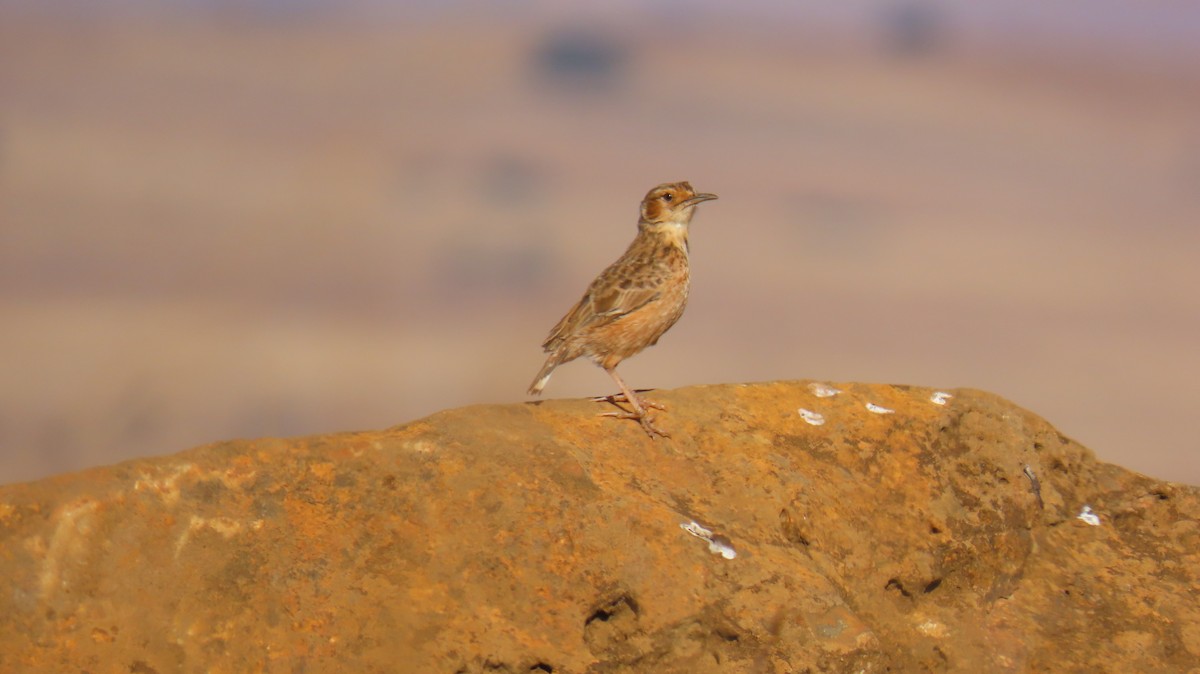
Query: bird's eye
[{"x": 668, "y": 196}]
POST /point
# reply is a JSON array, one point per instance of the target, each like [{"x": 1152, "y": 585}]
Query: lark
[{"x": 633, "y": 302}]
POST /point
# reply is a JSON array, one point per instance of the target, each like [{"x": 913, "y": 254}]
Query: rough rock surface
[{"x": 539, "y": 538}]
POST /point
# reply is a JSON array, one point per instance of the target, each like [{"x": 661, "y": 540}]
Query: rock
[{"x": 776, "y": 531}]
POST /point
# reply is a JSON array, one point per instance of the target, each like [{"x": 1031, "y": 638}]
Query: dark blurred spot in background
[
  {"x": 912, "y": 29},
  {"x": 580, "y": 60}
]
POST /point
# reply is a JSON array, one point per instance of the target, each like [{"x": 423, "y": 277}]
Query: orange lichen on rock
[{"x": 784, "y": 526}]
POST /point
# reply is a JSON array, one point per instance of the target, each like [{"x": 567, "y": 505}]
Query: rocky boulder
[{"x": 784, "y": 527}]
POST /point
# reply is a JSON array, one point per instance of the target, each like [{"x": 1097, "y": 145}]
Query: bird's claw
[
  {"x": 621, "y": 398},
  {"x": 642, "y": 418}
]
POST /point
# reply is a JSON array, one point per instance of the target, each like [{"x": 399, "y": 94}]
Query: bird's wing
[
  {"x": 613, "y": 303},
  {"x": 623, "y": 288}
]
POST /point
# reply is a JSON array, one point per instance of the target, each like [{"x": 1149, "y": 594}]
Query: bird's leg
[
  {"x": 626, "y": 395},
  {"x": 639, "y": 406}
]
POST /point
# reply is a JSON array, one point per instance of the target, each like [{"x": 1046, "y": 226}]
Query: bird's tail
[{"x": 543, "y": 375}]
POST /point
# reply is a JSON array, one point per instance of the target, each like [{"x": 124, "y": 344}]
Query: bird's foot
[
  {"x": 642, "y": 418},
  {"x": 621, "y": 398}
]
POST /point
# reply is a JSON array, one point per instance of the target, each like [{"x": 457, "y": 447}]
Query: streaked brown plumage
[{"x": 634, "y": 301}]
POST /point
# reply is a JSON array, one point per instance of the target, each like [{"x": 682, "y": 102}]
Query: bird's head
[{"x": 671, "y": 204}]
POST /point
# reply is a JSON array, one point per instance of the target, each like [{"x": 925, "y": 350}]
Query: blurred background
[{"x": 240, "y": 218}]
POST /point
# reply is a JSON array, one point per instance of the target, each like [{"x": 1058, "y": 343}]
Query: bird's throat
[{"x": 670, "y": 233}]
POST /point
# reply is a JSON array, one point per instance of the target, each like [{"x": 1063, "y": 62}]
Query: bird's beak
[{"x": 698, "y": 198}]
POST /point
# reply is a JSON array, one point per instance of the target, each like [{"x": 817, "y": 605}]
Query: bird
[{"x": 633, "y": 302}]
